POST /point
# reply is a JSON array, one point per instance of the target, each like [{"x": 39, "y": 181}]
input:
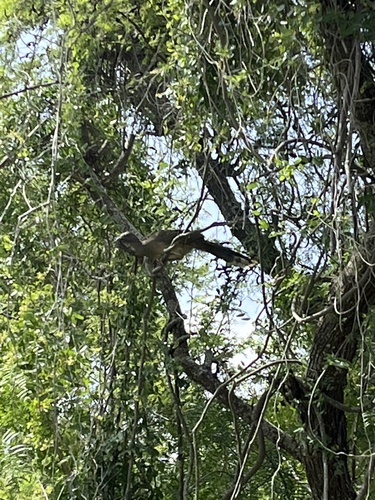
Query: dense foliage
[{"x": 252, "y": 119}]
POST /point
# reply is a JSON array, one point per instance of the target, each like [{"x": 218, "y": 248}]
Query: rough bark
[{"x": 354, "y": 291}]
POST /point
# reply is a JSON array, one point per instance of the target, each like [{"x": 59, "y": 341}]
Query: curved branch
[{"x": 193, "y": 370}]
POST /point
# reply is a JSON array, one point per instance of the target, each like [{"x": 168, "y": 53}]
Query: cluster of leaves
[{"x": 92, "y": 404}]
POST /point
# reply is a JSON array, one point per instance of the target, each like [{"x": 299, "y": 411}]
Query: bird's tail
[{"x": 232, "y": 257}]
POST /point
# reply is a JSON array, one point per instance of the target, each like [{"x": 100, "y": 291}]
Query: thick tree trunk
[
  {"x": 328, "y": 477},
  {"x": 326, "y": 460}
]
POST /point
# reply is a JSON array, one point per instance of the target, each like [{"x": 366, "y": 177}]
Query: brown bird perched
[{"x": 174, "y": 245}]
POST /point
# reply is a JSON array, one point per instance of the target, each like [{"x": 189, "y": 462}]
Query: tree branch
[{"x": 195, "y": 372}]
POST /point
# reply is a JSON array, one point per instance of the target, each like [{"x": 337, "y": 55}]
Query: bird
[{"x": 172, "y": 244}]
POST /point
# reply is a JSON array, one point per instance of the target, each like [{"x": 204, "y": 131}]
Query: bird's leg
[
  {"x": 159, "y": 267},
  {"x": 150, "y": 268}
]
